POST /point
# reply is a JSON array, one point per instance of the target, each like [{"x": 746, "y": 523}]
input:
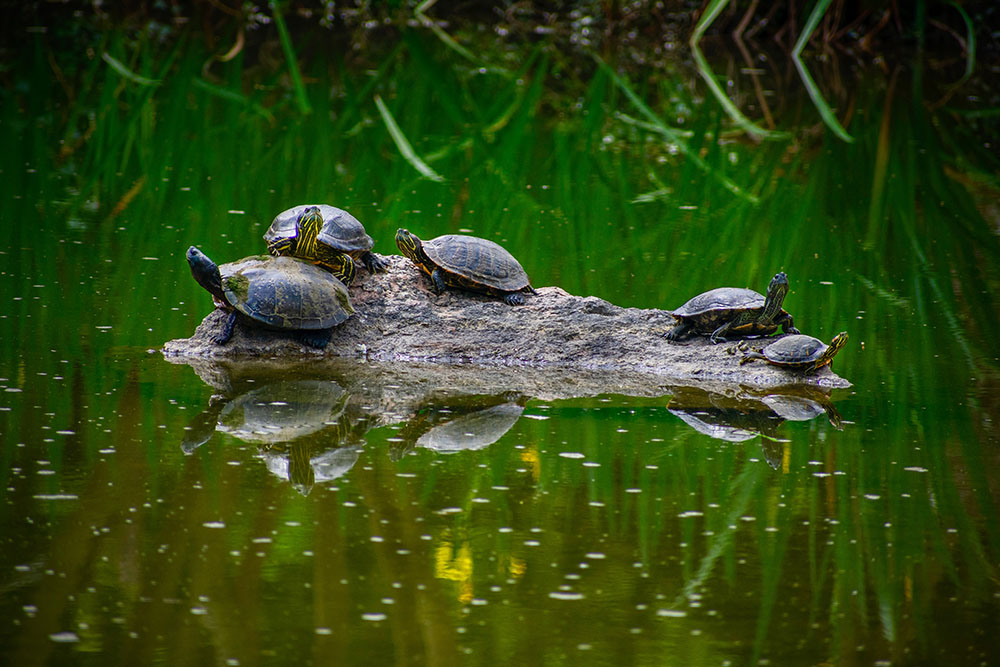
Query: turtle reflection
[
  {"x": 742, "y": 418},
  {"x": 467, "y": 423},
  {"x": 300, "y": 427}
]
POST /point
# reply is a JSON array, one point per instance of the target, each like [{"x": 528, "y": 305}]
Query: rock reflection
[{"x": 743, "y": 415}]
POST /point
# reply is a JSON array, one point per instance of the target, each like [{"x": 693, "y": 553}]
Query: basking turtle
[
  {"x": 325, "y": 235},
  {"x": 274, "y": 293},
  {"x": 469, "y": 263},
  {"x": 801, "y": 353},
  {"x": 733, "y": 312}
]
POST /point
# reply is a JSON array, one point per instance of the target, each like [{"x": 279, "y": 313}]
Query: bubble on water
[
  {"x": 373, "y": 616},
  {"x": 565, "y": 595},
  {"x": 571, "y": 455},
  {"x": 671, "y": 613},
  {"x": 64, "y": 637},
  {"x": 214, "y": 524}
]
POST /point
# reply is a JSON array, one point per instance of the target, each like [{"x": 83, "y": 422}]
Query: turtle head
[
  {"x": 205, "y": 272},
  {"x": 409, "y": 245},
  {"x": 309, "y": 219},
  {"x": 831, "y": 351},
  {"x": 776, "y": 292},
  {"x": 839, "y": 341},
  {"x": 307, "y": 227}
]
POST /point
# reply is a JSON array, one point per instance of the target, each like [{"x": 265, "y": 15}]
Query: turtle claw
[
  {"x": 375, "y": 263},
  {"x": 514, "y": 299}
]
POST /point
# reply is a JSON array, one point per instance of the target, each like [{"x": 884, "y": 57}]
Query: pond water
[{"x": 157, "y": 512}]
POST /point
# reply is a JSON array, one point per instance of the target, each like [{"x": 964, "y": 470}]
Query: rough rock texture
[{"x": 399, "y": 319}]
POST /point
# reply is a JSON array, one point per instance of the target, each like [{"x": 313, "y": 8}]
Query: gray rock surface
[{"x": 399, "y": 319}]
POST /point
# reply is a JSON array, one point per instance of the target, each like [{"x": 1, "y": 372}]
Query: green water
[{"x": 144, "y": 523}]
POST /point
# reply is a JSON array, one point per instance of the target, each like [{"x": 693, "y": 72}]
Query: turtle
[
  {"x": 325, "y": 235},
  {"x": 280, "y": 293},
  {"x": 469, "y": 263},
  {"x": 733, "y": 312},
  {"x": 799, "y": 352}
]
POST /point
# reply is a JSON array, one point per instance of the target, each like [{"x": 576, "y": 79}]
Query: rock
[{"x": 399, "y": 319}]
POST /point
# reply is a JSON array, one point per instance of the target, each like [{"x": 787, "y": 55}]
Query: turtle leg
[
  {"x": 750, "y": 356},
  {"x": 317, "y": 338},
  {"x": 374, "y": 263},
  {"x": 342, "y": 267},
  {"x": 786, "y": 324},
  {"x": 437, "y": 278},
  {"x": 280, "y": 247},
  {"x": 720, "y": 334},
  {"x": 680, "y": 331},
  {"x": 227, "y": 330},
  {"x": 514, "y": 299},
  {"x": 348, "y": 269}
]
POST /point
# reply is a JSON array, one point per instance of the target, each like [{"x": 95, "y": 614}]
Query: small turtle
[
  {"x": 469, "y": 263},
  {"x": 733, "y": 312},
  {"x": 325, "y": 235},
  {"x": 800, "y": 352},
  {"x": 274, "y": 293}
]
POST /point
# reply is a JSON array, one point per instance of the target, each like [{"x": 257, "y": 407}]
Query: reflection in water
[
  {"x": 747, "y": 416},
  {"x": 301, "y": 426},
  {"x": 303, "y": 466},
  {"x": 448, "y": 423},
  {"x": 729, "y": 425},
  {"x": 472, "y": 431},
  {"x": 801, "y": 408}
]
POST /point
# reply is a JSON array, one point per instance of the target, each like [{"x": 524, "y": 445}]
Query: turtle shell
[
  {"x": 341, "y": 230},
  {"x": 479, "y": 260},
  {"x": 714, "y": 308},
  {"x": 795, "y": 350},
  {"x": 721, "y": 299},
  {"x": 285, "y": 293}
]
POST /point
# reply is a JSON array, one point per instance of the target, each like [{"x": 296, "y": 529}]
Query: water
[{"x": 156, "y": 512}]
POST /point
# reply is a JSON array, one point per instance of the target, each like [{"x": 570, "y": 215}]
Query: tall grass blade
[
  {"x": 120, "y": 67},
  {"x": 449, "y": 41},
  {"x": 671, "y": 135},
  {"x": 825, "y": 112},
  {"x": 232, "y": 96},
  {"x": 751, "y": 128},
  {"x": 293, "y": 66},
  {"x": 403, "y": 144},
  {"x": 970, "y": 43}
]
